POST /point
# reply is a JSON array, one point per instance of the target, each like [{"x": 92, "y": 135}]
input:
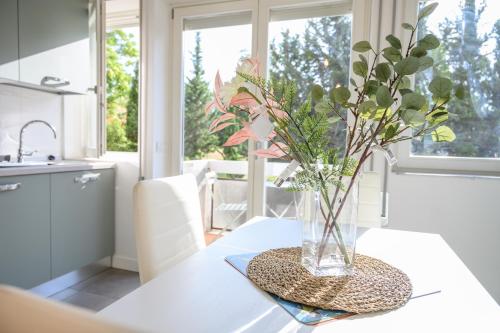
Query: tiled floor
[{"x": 100, "y": 290}]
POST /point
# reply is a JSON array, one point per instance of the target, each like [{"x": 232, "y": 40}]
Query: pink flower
[
  {"x": 244, "y": 100},
  {"x": 217, "y": 94},
  {"x": 249, "y": 66},
  {"x": 241, "y": 136},
  {"x": 277, "y": 150},
  {"x": 215, "y": 126}
]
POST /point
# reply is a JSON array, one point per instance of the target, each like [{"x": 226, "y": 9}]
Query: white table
[{"x": 205, "y": 294}]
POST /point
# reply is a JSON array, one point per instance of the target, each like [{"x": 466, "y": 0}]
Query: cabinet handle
[
  {"x": 9, "y": 187},
  {"x": 88, "y": 177},
  {"x": 57, "y": 82}
]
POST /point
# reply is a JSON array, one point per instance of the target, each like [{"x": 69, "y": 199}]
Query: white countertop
[
  {"x": 205, "y": 294},
  {"x": 58, "y": 166}
]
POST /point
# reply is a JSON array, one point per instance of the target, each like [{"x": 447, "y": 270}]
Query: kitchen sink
[{"x": 6, "y": 164}]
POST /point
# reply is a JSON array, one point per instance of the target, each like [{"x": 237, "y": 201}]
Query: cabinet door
[
  {"x": 9, "y": 48},
  {"x": 54, "y": 42},
  {"x": 82, "y": 218},
  {"x": 24, "y": 230}
]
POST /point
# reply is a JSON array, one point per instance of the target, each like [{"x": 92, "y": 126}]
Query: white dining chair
[
  {"x": 24, "y": 312},
  {"x": 168, "y": 223}
]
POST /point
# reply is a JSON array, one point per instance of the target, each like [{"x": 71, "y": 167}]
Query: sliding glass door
[
  {"x": 306, "y": 45},
  {"x": 307, "y": 42},
  {"x": 212, "y": 44}
]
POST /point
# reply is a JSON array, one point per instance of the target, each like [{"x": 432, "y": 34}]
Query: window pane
[
  {"x": 469, "y": 55},
  {"x": 306, "y": 51},
  {"x": 122, "y": 75},
  {"x": 223, "y": 170}
]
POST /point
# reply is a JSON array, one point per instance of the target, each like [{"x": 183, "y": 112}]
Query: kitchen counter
[{"x": 61, "y": 166}]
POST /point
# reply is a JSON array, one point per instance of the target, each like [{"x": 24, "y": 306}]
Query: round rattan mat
[{"x": 374, "y": 285}]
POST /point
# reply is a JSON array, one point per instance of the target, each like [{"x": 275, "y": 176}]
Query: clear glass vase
[{"x": 328, "y": 244}]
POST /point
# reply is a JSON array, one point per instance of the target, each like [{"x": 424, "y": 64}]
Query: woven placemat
[{"x": 374, "y": 285}]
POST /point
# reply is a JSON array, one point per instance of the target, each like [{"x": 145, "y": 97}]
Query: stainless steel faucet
[{"x": 21, "y": 153}]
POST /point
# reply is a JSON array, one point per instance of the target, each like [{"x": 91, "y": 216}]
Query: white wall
[
  {"x": 126, "y": 176},
  {"x": 18, "y": 106},
  {"x": 464, "y": 210}
]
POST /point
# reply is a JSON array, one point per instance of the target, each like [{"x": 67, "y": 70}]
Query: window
[
  {"x": 122, "y": 77},
  {"x": 306, "y": 41},
  {"x": 223, "y": 170},
  {"x": 469, "y": 55},
  {"x": 307, "y": 50}
]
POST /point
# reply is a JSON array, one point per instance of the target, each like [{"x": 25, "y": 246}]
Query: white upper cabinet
[
  {"x": 54, "y": 45},
  {"x": 46, "y": 44},
  {"x": 9, "y": 47}
]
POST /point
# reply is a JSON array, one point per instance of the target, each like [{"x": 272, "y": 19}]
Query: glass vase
[{"x": 329, "y": 217}]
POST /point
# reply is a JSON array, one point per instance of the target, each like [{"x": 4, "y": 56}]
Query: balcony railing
[{"x": 223, "y": 189}]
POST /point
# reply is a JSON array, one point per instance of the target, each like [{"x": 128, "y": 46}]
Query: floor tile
[
  {"x": 112, "y": 283},
  {"x": 89, "y": 301},
  {"x": 63, "y": 294}
]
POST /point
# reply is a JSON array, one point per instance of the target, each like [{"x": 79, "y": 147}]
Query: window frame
[
  {"x": 364, "y": 27},
  {"x": 406, "y": 11},
  {"x": 119, "y": 20}
]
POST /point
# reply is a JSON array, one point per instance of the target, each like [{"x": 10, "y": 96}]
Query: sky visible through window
[{"x": 217, "y": 57}]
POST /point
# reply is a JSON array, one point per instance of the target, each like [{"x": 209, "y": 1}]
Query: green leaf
[
  {"x": 424, "y": 63},
  {"x": 317, "y": 92},
  {"x": 437, "y": 117},
  {"x": 460, "y": 92},
  {"x": 413, "y": 101},
  {"x": 418, "y": 52},
  {"x": 333, "y": 119},
  {"x": 443, "y": 134},
  {"x": 391, "y": 131},
  {"x": 323, "y": 106},
  {"x": 394, "y": 41},
  {"x": 412, "y": 117},
  {"x": 383, "y": 72},
  {"x": 407, "y": 26},
  {"x": 392, "y": 54},
  {"x": 405, "y": 91},
  {"x": 363, "y": 59},
  {"x": 367, "y": 107},
  {"x": 341, "y": 95},
  {"x": 407, "y": 66},
  {"x": 440, "y": 87},
  {"x": 362, "y": 46},
  {"x": 427, "y": 10},
  {"x": 429, "y": 42},
  {"x": 384, "y": 98},
  {"x": 405, "y": 83},
  {"x": 360, "y": 68},
  {"x": 371, "y": 87}
]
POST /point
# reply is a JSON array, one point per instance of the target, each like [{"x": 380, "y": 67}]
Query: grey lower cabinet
[
  {"x": 25, "y": 230},
  {"x": 82, "y": 206},
  {"x": 52, "y": 224}
]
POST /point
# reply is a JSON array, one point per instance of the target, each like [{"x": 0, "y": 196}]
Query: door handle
[
  {"x": 87, "y": 178},
  {"x": 9, "y": 187},
  {"x": 56, "y": 82}
]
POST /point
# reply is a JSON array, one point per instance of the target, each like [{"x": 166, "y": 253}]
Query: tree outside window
[{"x": 122, "y": 61}]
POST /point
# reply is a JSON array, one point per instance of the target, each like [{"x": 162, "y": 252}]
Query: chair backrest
[
  {"x": 168, "y": 223},
  {"x": 23, "y": 312}
]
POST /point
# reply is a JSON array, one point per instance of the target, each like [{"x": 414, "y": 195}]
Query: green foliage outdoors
[
  {"x": 198, "y": 141},
  {"x": 121, "y": 91},
  {"x": 197, "y": 138},
  {"x": 319, "y": 56},
  {"x": 476, "y": 117}
]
